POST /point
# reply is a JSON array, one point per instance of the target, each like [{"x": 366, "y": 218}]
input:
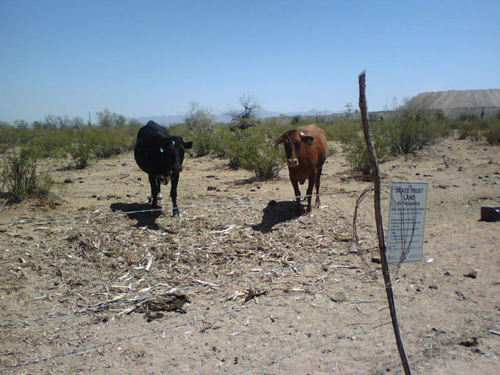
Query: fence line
[
  {"x": 303, "y": 350},
  {"x": 196, "y": 320},
  {"x": 103, "y": 305},
  {"x": 144, "y": 334},
  {"x": 374, "y": 326},
  {"x": 192, "y": 322},
  {"x": 162, "y": 331},
  {"x": 240, "y": 199}
]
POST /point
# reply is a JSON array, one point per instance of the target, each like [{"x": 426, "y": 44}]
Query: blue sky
[{"x": 148, "y": 58}]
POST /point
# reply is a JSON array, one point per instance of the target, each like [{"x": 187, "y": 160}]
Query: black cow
[{"x": 160, "y": 155}]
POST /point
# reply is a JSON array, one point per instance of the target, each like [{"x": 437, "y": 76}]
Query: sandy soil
[{"x": 239, "y": 285}]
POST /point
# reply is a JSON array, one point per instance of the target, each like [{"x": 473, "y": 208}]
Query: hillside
[{"x": 456, "y": 103}]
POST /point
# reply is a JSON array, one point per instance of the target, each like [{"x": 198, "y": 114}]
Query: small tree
[
  {"x": 247, "y": 117},
  {"x": 200, "y": 122},
  {"x": 199, "y": 118},
  {"x": 348, "y": 109},
  {"x": 108, "y": 119}
]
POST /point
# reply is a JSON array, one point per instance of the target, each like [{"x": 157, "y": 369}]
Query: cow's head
[
  {"x": 293, "y": 140},
  {"x": 171, "y": 153}
]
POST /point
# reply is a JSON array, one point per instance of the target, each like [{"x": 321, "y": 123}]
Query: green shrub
[
  {"x": 468, "y": 129},
  {"x": 8, "y": 137},
  {"x": 332, "y": 151},
  {"x": 411, "y": 130},
  {"x": 107, "y": 142},
  {"x": 342, "y": 130},
  {"x": 49, "y": 142},
  {"x": 477, "y": 129},
  {"x": 357, "y": 154},
  {"x": 80, "y": 155},
  {"x": 493, "y": 131},
  {"x": 21, "y": 178},
  {"x": 222, "y": 137},
  {"x": 254, "y": 149},
  {"x": 202, "y": 142}
]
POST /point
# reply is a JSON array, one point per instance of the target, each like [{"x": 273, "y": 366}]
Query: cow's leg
[
  {"x": 295, "y": 185},
  {"x": 317, "y": 183},
  {"x": 173, "y": 193},
  {"x": 310, "y": 187},
  {"x": 155, "y": 189},
  {"x": 296, "y": 189}
]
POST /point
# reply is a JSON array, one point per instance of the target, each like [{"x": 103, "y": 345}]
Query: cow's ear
[
  {"x": 279, "y": 140},
  {"x": 307, "y": 139},
  {"x": 188, "y": 144}
]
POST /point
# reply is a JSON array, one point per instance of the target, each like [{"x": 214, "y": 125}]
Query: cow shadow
[
  {"x": 142, "y": 212},
  {"x": 278, "y": 212}
]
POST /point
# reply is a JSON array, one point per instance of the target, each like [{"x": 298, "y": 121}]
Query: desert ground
[{"x": 242, "y": 284}]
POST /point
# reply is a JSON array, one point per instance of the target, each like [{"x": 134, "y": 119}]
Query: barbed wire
[
  {"x": 144, "y": 334},
  {"x": 162, "y": 331},
  {"x": 194, "y": 321},
  {"x": 241, "y": 202},
  {"x": 103, "y": 305},
  {"x": 177, "y": 289}
]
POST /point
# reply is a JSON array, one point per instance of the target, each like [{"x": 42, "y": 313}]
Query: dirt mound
[{"x": 482, "y": 103}]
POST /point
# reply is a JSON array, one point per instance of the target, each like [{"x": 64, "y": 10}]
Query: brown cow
[{"x": 306, "y": 151}]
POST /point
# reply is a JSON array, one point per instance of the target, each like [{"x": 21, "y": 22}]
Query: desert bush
[
  {"x": 478, "y": 129},
  {"x": 341, "y": 130},
  {"x": 21, "y": 177},
  {"x": 8, "y": 137},
  {"x": 49, "y": 142},
  {"x": 332, "y": 151},
  {"x": 80, "y": 155},
  {"x": 493, "y": 131},
  {"x": 200, "y": 123},
  {"x": 469, "y": 129},
  {"x": 199, "y": 118},
  {"x": 61, "y": 137},
  {"x": 202, "y": 137},
  {"x": 410, "y": 130},
  {"x": 202, "y": 142},
  {"x": 403, "y": 133},
  {"x": 105, "y": 142},
  {"x": 180, "y": 130},
  {"x": 108, "y": 119},
  {"x": 354, "y": 146},
  {"x": 221, "y": 139},
  {"x": 254, "y": 149}
]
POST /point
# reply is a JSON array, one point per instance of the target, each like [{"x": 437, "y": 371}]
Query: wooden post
[{"x": 378, "y": 221}]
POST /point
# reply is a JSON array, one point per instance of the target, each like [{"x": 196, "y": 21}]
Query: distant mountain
[
  {"x": 311, "y": 112},
  {"x": 457, "y": 103},
  {"x": 226, "y": 118},
  {"x": 162, "y": 120}
]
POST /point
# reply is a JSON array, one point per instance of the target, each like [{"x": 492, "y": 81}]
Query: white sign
[{"x": 407, "y": 221}]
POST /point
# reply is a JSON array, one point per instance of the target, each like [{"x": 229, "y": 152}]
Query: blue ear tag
[{"x": 162, "y": 150}]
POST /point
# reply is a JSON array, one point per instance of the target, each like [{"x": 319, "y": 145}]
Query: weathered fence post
[{"x": 378, "y": 221}]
